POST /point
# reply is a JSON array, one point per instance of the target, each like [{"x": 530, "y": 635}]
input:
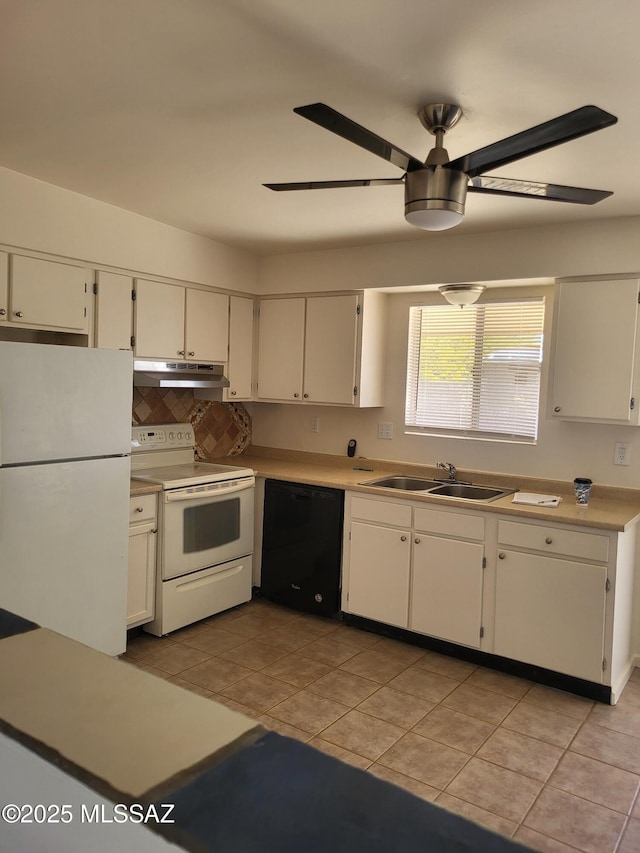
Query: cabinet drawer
[
  {"x": 384, "y": 512},
  {"x": 458, "y": 524},
  {"x": 554, "y": 540},
  {"x": 142, "y": 508}
]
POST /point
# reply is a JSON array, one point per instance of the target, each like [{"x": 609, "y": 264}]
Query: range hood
[{"x": 178, "y": 374}]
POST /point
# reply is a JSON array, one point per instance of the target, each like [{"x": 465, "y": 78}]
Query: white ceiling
[{"x": 180, "y": 109}]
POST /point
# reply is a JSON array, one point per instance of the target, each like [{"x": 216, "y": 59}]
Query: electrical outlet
[
  {"x": 315, "y": 423},
  {"x": 622, "y": 454},
  {"x": 385, "y": 430}
]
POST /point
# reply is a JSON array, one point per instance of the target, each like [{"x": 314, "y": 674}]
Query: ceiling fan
[{"x": 435, "y": 191}]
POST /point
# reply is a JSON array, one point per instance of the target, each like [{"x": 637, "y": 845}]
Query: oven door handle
[{"x": 189, "y": 495}]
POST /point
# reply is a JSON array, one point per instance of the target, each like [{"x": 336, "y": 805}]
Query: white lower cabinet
[
  {"x": 401, "y": 575},
  {"x": 552, "y": 586},
  {"x": 551, "y": 613},
  {"x": 447, "y": 575},
  {"x": 446, "y": 593},
  {"x": 552, "y": 595},
  {"x": 142, "y": 559},
  {"x": 379, "y": 573}
]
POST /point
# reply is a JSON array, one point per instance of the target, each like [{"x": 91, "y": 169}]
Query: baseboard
[{"x": 568, "y": 683}]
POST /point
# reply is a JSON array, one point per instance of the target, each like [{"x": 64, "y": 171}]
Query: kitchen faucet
[
  {"x": 453, "y": 474},
  {"x": 450, "y": 469}
]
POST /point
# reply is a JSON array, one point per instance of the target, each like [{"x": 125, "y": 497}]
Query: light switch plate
[{"x": 385, "y": 429}]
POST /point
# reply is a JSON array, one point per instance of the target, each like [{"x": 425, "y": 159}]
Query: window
[{"x": 475, "y": 371}]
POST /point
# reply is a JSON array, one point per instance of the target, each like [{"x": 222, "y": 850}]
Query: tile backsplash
[{"x": 221, "y": 429}]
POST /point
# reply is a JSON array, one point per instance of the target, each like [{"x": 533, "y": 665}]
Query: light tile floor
[{"x": 555, "y": 771}]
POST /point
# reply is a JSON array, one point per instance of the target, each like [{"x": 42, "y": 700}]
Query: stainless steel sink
[
  {"x": 469, "y": 492},
  {"x": 404, "y": 484}
]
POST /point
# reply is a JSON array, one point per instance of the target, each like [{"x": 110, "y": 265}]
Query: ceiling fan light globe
[
  {"x": 434, "y": 198},
  {"x": 433, "y": 219}
]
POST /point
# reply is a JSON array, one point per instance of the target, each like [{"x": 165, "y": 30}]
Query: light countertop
[
  {"x": 142, "y": 487},
  {"x": 609, "y": 508}
]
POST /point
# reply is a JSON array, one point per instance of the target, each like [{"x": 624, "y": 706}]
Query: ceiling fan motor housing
[{"x": 435, "y": 188}]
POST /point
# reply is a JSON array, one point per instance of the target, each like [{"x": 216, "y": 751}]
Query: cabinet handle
[
  {"x": 19, "y": 314},
  {"x": 501, "y": 555},
  {"x": 549, "y": 540},
  {"x": 139, "y": 509},
  {"x": 296, "y": 394},
  {"x": 305, "y": 395},
  {"x": 155, "y": 530},
  {"x": 191, "y": 352},
  {"x": 2, "y": 312},
  {"x": 403, "y": 538},
  {"x": 556, "y": 409},
  {"x": 417, "y": 540},
  {"x": 233, "y": 393},
  {"x": 180, "y": 352}
]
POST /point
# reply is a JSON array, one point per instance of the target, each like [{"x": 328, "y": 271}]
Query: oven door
[{"x": 203, "y": 528}]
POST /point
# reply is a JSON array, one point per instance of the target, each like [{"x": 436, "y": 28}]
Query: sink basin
[
  {"x": 470, "y": 493},
  {"x": 405, "y": 484}
]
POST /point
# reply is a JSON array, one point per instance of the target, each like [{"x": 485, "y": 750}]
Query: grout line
[{"x": 299, "y": 623}]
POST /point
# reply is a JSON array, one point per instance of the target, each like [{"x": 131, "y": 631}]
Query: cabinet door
[
  {"x": 49, "y": 295},
  {"x": 240, "y": 367},
  {"x": 142, "y": 574},
  {"x": 159, "y": 320},
  {"x": 446, "y": 591},
  {"x": 207, "y": 325},
  {"x": 595, "y": 341},
  {"x": 550, "y": 612},
  {"x": 330, "y": 349},
  {"x": 379, "y": 573},
  {"x": 4, "y": 288},
  {"x": 281, "y": 349},
  {"x": 114, "y": 311}
]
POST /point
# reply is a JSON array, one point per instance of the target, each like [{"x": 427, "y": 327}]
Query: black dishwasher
[{"x": 302, "y": 546}]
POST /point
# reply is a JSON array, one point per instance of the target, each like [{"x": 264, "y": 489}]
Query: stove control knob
[{"x": 171, "y": 436}]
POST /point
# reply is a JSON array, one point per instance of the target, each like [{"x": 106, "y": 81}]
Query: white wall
[
  {"x": 564, "y": 450},
  {"x": 594, "y": 248},
  {"x": 44, "y": 218}
]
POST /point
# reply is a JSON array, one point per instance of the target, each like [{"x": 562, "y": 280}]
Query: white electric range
[{"x": 205, "y": 527}]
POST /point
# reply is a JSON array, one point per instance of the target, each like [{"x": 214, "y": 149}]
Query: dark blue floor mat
[
  {"x": 282, "y": 796},
  {"x": 10, "y": 624}
]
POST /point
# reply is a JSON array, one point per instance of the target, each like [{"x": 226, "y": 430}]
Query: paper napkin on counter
[{"x": 535, "y": 500}]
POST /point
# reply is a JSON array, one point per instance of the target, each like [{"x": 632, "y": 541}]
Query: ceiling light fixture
[
  {"x": 434, "y": 198},
  {"x": 461, "y": 294}
]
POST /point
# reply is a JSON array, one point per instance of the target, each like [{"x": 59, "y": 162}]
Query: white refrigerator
[{"x": 65, "y": 440}]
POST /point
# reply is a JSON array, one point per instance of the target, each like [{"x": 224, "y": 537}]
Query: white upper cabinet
[
  {"x": 281, "y": 349},
  {"x": 114, "y": 311},
  {"x": 240, "y": 366},
  {"x": 4, "y": 287},
  {"x": 159, "y": 320},
  {"x": 206, "y": 325},
  {"x": 596, "y": 374},
  {"x": 44, "y": 295},
  {"x": 331, "y": 339},
  {"x": 180, "y": 323},
  {"x": 321, "y": 349}
]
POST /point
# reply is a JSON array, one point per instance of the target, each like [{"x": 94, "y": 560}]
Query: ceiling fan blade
[
  {"x": 533, "y": 189},
  {"x": 326, "y": 185},
  {"x": 554, "y": 132},
  {"x": 341, "y": 125}
]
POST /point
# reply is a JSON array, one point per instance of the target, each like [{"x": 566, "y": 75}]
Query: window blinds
[{"x": 476, "y": 370}]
